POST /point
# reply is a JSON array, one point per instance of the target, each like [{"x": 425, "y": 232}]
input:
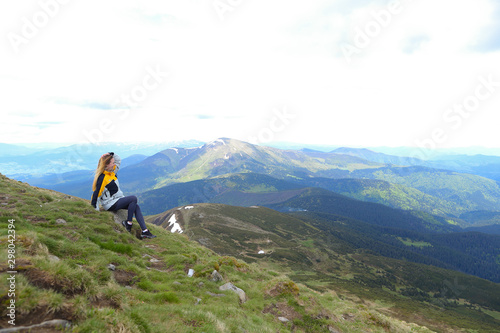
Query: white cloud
[{"x": 235, "y": 71}]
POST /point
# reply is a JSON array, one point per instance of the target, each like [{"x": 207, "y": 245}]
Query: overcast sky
[{"x": 344, "y": 72}]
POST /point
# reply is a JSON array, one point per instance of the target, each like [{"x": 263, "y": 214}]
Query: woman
[{"x": 108, "y": 195}]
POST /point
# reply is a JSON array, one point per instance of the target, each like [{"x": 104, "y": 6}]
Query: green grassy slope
[
  {"x": 329, "y": 258},
  {"x": 63, "y": 249},
  {"x": 468, "y": 192},
  {"x": 389, "y": 194}
]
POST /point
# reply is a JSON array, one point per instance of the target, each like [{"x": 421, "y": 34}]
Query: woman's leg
[
  {"x": 139, "y": 217},
  {"x": 130, "y": 203}
]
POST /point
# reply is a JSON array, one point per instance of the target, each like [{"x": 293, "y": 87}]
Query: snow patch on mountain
[{"x": 176, "y": 227}]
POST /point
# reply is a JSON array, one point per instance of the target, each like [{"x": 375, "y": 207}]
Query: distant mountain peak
[
  {"x": 344, "y": 150},
  {"x": 216, "y": 142}
]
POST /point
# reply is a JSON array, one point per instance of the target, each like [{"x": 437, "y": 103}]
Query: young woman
[{"x": 108, "y": 195}]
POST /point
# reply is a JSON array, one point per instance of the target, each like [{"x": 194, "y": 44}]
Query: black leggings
[{"x": 130, "y": 203}]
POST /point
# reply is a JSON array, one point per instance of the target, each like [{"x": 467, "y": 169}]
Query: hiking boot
[
  {"x": 147, "y": 234},
  {"x": 127, "y": 226}
]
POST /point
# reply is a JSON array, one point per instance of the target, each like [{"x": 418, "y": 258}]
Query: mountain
[
  {"x": 469, "y": 192},
  {"x": 386, "y": 193},
  {"x": 10, "y": 150},
  {"x": 244, "y": 189},
  {"x": 225, "y": 156},
  {"x": 373, "y": 156},
  {"x": 333, "y": 254},
  {"x": 493, "y": 229},
  {"x": 323, "y": 201},
  {"x": 478, "y": 164},
  {"x": 249, "y": 189}
]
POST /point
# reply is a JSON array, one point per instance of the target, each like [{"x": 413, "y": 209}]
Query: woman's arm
[{"x": 95, "y": 195}]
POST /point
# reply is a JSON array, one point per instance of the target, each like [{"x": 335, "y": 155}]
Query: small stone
[
  {"x": 215, "y": 295},
  {"x": 61, "y": 221},
  {"x": 283, "y": 319},
  {"x": 111, "y": 267},
  {"x": 216, "y": 277}
]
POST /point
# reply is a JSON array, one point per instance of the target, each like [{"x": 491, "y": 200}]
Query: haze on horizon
[{"x": 343, "y": 73}]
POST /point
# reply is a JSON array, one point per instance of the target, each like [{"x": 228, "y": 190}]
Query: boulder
[
  {"x": 232, "y": 287},
  {"x": 120, "y": 215}
]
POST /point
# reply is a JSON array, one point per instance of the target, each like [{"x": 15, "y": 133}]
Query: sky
[{"x": 349, "y": 73}]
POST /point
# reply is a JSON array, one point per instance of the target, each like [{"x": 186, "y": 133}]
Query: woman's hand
[{"x": 106, "y": 154}]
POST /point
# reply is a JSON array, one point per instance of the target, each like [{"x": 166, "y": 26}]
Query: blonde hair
[{"x": 101, "y": 166}]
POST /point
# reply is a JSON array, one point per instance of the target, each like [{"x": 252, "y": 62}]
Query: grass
[
  {"x": 64, "y": 273},
  {"x": 409, "y": 242}
]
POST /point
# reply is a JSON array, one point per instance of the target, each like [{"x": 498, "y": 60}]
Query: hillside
[
  {"x": 79, "y": 266},
  {"x": 469, "y": 192},
  {"x": 386, "y": 193},
  {"x": 247, "y": 189},
  {"x": 244, "y": 189},
  {"x": 329, "y": 258}
]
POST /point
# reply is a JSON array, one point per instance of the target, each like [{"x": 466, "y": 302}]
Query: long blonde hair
[{"x": 101, "y": 166}]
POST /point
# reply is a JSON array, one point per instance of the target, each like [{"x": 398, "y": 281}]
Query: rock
[
  {"x": 283, "y": 319},
  {"x": 111, "y": 267},
  {"x": 177, "y": 283},
  {"x": 61, "y": 221},
  {"x": 120, "y": 215},
  {"x": 216, "y": 277},
  {"x": 54, "y": 325},
  {"x": 232, "y": 287},
  {"x": 53, "y": 258},
  {"x": 332, "y": 330},
  {"x": 191, "y": 272}
]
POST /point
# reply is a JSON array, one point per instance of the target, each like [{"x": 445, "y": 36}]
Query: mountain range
[
  {"x": 380, "y": 227},
  {"x": 462, "y": 198}
]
